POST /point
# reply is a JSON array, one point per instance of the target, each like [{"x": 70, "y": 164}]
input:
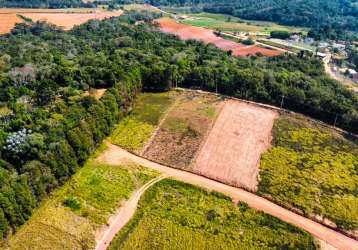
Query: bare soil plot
[
  {"x": 232, "y": 151},
  {"x": 180, "y": 135},
  {"x": 186, "y": 32},
  {"x": 66, "y": 18},
  {"x": 7, "y": 22}
]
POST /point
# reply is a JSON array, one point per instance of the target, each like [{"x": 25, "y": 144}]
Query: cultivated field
[
  {"x": 313, "y": 169},
  {"x": 233, "y": 24},
  {"x": 232, "y": 151},
  {"x": 134, "y": 131},
  {"x": 187, "y": 32},
  {"x": 183, "y": 130},
  {"x": 174, "y": 215},
  {"x": 74, "y": 214},
  {"x": 65, "y": 18}
]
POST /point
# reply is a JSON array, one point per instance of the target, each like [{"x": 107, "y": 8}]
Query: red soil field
[
  {"x": 66, "y": 18},
  {"x": 232, "y": 151},
  {"x": 186, "y": 32},
  {"x": 7, "y": 22}
]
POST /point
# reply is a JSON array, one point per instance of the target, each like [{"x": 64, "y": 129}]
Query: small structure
[
  {"x": 338, "y": 46},
  {"x": 321, "y": 55},
  {"x": 308, "y": 40},
  {"x": 355, "y": 78},
  {"x": 295, "y": 38}
]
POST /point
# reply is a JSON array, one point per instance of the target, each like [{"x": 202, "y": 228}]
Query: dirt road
[
  {"x": 124, "y": 214},
  {"x": 115, "y": 154},
  {"x": 232, "y": 151}
]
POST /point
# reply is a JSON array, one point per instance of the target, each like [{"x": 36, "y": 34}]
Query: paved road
[{"x": 115, "y": 154}]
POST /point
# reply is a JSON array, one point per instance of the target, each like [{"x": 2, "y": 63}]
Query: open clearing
[
  {"x": 8, "y": 21},
  {"x": 232, "y": 151},
  {"x": 173, "y": 215},
  {"x": 183, "y": 129},
  {"x": 65, "y": 18},
  {"x": 116, "y": 155},
  {"x": 74, "y": 215},
  {"x": 313, "y": 169},
  {"x": 186, "y": 32},
  {"x": 233, "y": 24},
  {"x": 135, "y": 130}
]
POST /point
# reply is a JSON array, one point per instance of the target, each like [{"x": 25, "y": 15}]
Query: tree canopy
[{"x": 50, "y": 123}]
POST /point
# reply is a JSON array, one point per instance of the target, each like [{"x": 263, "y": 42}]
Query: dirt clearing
[
  {"x": 186, "y": 32},
  {"x": 65, "y": 18},
  {"x": 181, "y": 133},
  {"x": 68, "y": 20},
  {"x": 231, "y": 153}
]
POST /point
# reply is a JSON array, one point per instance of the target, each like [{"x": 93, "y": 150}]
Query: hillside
[
  {"x": 311, "y": 13},
  {"x": 50, "y": 121}
]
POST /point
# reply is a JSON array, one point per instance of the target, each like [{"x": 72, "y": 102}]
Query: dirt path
[
  {"x": 115, "y": 154},
  {"x": 232, "y": 151},
  {"x": 125, "y": 213}
]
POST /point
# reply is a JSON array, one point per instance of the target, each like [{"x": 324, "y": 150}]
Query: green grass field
[
  {"x": 134, "y": 131},
  {"x": 233, "y": 24},
  {"x": 69, "y": 218},
  {"x": 173, "y": 215},
  {"x": 314, "y": 169}
]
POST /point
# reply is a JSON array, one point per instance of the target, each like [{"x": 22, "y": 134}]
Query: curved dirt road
[
  {"x": 124, "y": 214},
  {"x": 115, "y": 154}
]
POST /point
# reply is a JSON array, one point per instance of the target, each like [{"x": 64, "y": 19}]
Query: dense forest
[{"x": 50, "y": 123}]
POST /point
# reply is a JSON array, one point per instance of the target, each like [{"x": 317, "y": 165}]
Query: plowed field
[{"x": 232, "y": 151}]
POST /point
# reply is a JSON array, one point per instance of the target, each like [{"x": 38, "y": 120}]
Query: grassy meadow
[
  {"x": 233, "y": 24},
  {"x": 70, "y": 217},
  {"x": 174, "y": 215},
  {"x": 136, "y": 129},
  {"x": 314, "y": 169}
]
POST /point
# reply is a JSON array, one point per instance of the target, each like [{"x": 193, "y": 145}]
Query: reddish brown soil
[
  {"x": 64, "y": 18},
  {"x": 179, "y": 137},
  {"x": 68, "y": 20},
  {"x": 232, "y": 151},
  {"x": 7, "y": 22},
  {"x": 186, "y": 32}
]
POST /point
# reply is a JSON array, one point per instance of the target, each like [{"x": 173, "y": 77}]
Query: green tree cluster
[{"x": 47, "y": 73}]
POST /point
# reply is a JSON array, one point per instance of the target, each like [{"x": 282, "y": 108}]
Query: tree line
[{"x": 49, "y": 125}]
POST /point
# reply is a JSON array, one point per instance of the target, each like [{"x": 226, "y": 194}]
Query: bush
[{"x": 72, "y": 203}]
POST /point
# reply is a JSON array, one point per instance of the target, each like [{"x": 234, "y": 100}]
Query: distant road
[
  {"x": 329, "y": 71},
  {"x": 114, "y": 154}
]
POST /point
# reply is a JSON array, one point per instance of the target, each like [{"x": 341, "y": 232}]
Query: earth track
[{"x": 114, "y": 154}]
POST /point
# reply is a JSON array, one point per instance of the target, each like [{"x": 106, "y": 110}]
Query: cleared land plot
[
  {"x": 134, "y": 131},
  {"x": 7, "y": 22},
  {"x": 313, "y": 169},
  {"x": 65, "y": 18},
  {"x": 183, "y": 130},
  {"x": 68, "y": 20},
  {"x": 174, "y": 215},
  {"x": 232, "y": 151},
  {"x": 70, "y": 218},
  {"x": 186, "y": 32}
]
